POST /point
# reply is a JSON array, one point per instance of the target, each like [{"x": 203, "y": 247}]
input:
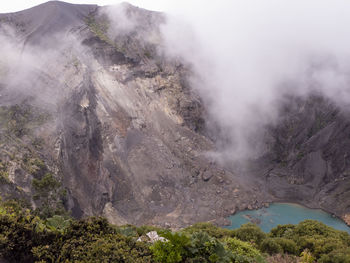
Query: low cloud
[
  {"x": 39, "y": 71},
  {"x": 248, "y": 55},
  {"x": 122, "y": 19}
]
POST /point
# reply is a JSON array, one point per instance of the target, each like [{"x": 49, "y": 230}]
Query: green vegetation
[
  {"x": 38, "y": 143},
  {"x": 50, "y": 196},
  {"x": 4, "y": 176},
  {"x": 25, "y": 237},
  {"x": 45, "y": 185},
  {"x": 316, "y": 238},
  {"x": 243, "y": 252},
  {"x": 18, "y": 140},
  {"x": 99, "y": 29},
  {"x": 21, "y": 155},
  {"x": 19, "y": 120},
  {"x": 34, "y": 166}
]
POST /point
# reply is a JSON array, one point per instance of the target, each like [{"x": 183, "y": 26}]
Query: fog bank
[{"x": 248, "y": 55}]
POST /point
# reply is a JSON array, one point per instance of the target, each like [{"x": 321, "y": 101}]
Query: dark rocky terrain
[
  {"x": 308, "y": 162},
  {"x": 109, "y": 126}
]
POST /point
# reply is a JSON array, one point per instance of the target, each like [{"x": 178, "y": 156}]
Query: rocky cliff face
[
  {"x": 308, "y": 161},
  {"x": 123, "y": 135},
  {"x": 100, "y": 123}
]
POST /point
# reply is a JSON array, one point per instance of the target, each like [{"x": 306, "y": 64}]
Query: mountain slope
[
  {"x": 45, "y": 20},
  {"x": 309, "y": 158},
  {"x": 123, "y": 133},
  {"x": 95, "y": 120}
]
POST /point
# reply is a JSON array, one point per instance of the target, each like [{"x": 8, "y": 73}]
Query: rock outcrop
[{"x": 307, "y": 161}]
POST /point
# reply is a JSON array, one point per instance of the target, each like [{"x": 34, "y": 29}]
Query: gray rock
[{"x": 206, "y": 175}]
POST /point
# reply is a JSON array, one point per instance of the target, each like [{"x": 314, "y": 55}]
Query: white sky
[{"x": 18, "y": 5}]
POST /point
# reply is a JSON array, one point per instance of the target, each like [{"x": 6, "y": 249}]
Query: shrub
[
  {"x": 20, "y": 232},
  {"x": 271, "y": 246},
  {"x": 312, "y": 235},
  {"x": 208, "y": 249},
  {"x": 243, "y": 252},
  {"x": 92, "y": 240},
  {"x": 336, "y": 256},
  {"x": 57, "y": 223},
  {"x": 283, "y": 258},
  {"x": 104, "y": 248},
  {"x": 285, "y": 231},
  {"x": 250, "y": 233},
  {"x": 25, "y": 237},
  {"x": 45, "y": 185},
  {"x": 306, "y": 257},
  {"x": 173, "y": 250},
  {"x": 287, "y": 245},
  {"x": 209, "y": 228}
]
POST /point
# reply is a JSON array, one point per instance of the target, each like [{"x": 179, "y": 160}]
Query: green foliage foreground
[{"x": 25, "y": 237}]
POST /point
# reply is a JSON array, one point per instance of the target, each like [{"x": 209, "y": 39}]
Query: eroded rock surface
[
  {"x": 308, "y": 157},
  {"x": 126, "y": 131},
  {"x": 102, "y": 123}
]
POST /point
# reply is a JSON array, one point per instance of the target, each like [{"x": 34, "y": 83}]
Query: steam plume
[{"x": 247, "y": 55}]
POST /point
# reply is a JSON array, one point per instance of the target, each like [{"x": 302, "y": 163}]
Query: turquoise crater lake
[{"x": 284, "y": 213}]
